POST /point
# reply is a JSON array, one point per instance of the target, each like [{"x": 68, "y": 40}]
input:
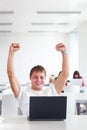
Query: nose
[{"x": 38, "y": 79}]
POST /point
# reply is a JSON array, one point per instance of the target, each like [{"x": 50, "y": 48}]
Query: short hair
[{"x": 37, "y": 68}]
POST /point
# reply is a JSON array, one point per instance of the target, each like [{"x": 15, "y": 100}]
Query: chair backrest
[{"x": 9, "y": 105}]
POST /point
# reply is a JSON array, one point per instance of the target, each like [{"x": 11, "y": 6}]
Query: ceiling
[{"x": 42, "y": 15}]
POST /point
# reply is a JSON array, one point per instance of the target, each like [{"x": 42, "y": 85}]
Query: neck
[{"x": 36, "y": 89}]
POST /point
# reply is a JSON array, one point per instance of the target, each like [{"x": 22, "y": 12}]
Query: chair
[{"x": 9, "y": 105}]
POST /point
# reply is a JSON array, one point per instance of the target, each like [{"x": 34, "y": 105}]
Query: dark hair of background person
[{"x": 76, "y": 75}]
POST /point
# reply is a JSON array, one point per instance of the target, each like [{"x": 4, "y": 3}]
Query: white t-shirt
[{"x": 23, "y": 98}]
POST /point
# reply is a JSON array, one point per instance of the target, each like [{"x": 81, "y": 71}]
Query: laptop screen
[{"x": 47, "y": 108}]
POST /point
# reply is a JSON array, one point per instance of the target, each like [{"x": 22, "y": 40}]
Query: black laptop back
[{"x": 47, "y": 108}]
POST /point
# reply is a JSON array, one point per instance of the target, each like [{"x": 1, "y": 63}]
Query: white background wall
[
  {"x": 73, "y": 53},
  {"x": 39, "y": 48},
  {"x": 82, "y": 40},
  {"x": 36, "y": 48}
]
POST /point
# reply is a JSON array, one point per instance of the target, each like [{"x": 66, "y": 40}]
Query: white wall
[
  {"x": 82, "y": 40},
  {"x": 73, "y": 53},
  {"x": 36, "y": 48}
]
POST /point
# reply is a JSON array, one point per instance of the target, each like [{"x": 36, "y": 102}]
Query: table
[
  {"x": 21, "y": 123},
  {"x": 80, "y": 98}
]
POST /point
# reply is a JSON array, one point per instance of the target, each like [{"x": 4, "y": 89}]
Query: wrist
[{"x": 65, "y": 52}]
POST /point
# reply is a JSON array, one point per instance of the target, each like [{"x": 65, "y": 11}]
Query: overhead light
[
  {"x": 59, "y": 12},
  {"x": 6, "y": 12},
  {"x": 49, "y": 23},
  {"x": 5, "y": 31},
  {"x": 32, "y": 31},
  {"x": 6, "y": 24}
]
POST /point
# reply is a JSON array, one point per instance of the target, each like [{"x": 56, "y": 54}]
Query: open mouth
[{"x": 37, "y": 83}]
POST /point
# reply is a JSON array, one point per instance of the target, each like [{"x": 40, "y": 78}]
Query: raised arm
[
  {"x": 10, "y": 69},
  {"x": 62, "y": 78}
]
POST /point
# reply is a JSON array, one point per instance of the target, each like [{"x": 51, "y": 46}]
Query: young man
[{"x": 37, "y": 77}]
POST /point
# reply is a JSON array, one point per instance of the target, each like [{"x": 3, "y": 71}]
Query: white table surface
[
  {"x": 21, "y": 123},
  {"x": 81, "y": 98}
]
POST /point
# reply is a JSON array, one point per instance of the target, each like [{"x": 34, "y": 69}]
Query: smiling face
[
  {"x": 37, "y": 80},
  {"x": 37, "y": 77}
]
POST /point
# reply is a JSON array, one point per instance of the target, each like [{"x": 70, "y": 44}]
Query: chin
[{"x": 39, "y": 88}]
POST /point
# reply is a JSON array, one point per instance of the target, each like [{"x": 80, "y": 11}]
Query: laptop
[
  {"x": 77, "y": 82},
  {"x": 47, "y": 108}
]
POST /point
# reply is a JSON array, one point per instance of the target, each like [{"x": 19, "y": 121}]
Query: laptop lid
[
  {"x": 47, "y": 108},
  {"x": 77, "y": 82}
]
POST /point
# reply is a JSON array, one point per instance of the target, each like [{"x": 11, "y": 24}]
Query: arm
[
  {"x": 10, "y": 69},
  {"x": 62, "y": 78}
]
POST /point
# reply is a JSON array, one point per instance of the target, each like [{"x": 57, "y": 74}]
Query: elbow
[
  {"x": 65, "y": 75},
  {"x": 10, "y": 74}
]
